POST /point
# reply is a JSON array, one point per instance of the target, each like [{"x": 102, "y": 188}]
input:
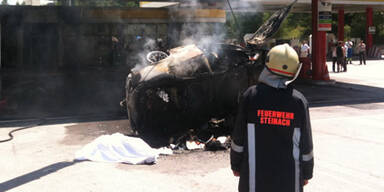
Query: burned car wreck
[{"x": 195, "y": 86}]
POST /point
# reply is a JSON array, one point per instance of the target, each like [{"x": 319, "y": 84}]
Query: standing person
[
  {"x": 345, "y": 52},
  {"x": 362, "y": 52},
  {"x": 339, "y": 55},
  {"x": 349, "y": 51},
  {"x": 334, "y": 56},
  {"x": 271, "y": 147},
  {"x": 304, "y": 50}
]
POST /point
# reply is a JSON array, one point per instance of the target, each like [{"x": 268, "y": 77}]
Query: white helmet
[{"x": 283, "y": 60}]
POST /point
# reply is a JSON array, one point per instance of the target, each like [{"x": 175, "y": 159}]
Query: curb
[{"x": 316, "y": 82}]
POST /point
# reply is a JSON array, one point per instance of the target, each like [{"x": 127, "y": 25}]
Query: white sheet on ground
[{"x": 119, "y": 148}]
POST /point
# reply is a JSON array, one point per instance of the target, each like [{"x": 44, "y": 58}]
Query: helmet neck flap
[
  {"x": 276, "y": 81},
  {"x": 273, "y": 80}
]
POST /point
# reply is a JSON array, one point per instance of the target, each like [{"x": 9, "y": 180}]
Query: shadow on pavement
[
  {"x": 317, "y": 95},
  {"x": 66, "y": 92},
  {"x": 340, "y": 94},
  {"x": 26, "y": 178}
]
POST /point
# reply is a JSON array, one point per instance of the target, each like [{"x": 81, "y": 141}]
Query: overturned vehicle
[{"x": 195, "y": 86}]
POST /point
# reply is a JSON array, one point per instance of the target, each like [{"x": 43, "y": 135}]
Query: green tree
[
  {"x": 105, "y": 3},
  {"x": 4, "y": 2},
  {"x": 378, "y": 21},
  {"x": 296, "y": 25},
  {"x": 247, "y": 23},
  {"x": 357, "y": 23},
  {"x": 355, "y": 26},
  {"x": 299, "y": 25}
]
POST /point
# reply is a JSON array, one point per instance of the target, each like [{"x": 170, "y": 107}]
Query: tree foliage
[
  {"x": 103, "y": 3},
  {"x": 378, "y": 21},
  {"x": 107, "y": 3},
  {"x": 295, "y": 26},
  {"x": 299, "y": 25},
  {"x": 354, "y": 25},
  {"x": 246, "y": 23}
]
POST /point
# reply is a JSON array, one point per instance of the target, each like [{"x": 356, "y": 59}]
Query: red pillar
[
  {"x": 319, "y": 68},
  {"x": 369, "y": 23},
  {"x": 340, "y": 26}
]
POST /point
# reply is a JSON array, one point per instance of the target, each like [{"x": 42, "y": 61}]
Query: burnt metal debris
[{"x": 192, "y": 90}]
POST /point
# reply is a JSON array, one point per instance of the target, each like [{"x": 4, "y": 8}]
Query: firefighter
[{"x": 272, "y": 146}]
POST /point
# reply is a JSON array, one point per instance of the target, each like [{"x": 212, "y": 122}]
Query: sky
[{"x": 13, "y": 2}]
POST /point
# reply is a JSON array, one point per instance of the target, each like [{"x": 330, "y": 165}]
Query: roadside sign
[
  {"x": 324, "y": 15},
  {"x": 372, "y": 30}
]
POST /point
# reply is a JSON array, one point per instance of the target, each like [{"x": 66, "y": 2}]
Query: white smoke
[
  {"x": 149, "y": 45},
  {"x": 201, "y": 33},
  {"x": 189, "y": 31}
]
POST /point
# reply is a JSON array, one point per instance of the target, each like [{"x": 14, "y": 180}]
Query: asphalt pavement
[{"x": 347, "y": 120}]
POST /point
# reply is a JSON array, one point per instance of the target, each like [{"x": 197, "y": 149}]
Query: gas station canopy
[
  {"x": 266, "y": 5},
  {"x": 305, "y": 5}
]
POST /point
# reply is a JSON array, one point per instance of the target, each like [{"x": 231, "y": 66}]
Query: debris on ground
[
  {"x": 192, "y": 145},
  {"x": 220, "y": 143}
]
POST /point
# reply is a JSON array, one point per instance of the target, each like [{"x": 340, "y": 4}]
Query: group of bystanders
[{"x": 342, "y": 53}]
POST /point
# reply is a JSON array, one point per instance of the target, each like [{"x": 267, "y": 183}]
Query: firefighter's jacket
[{"x": 272, "y": 140}]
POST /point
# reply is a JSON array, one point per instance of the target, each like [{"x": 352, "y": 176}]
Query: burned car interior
[
  {"x": 196, "y": 87},
  {"x": 207, "y": 87}
]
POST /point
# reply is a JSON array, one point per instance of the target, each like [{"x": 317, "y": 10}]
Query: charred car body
[{"x": 195, "y": 84}]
